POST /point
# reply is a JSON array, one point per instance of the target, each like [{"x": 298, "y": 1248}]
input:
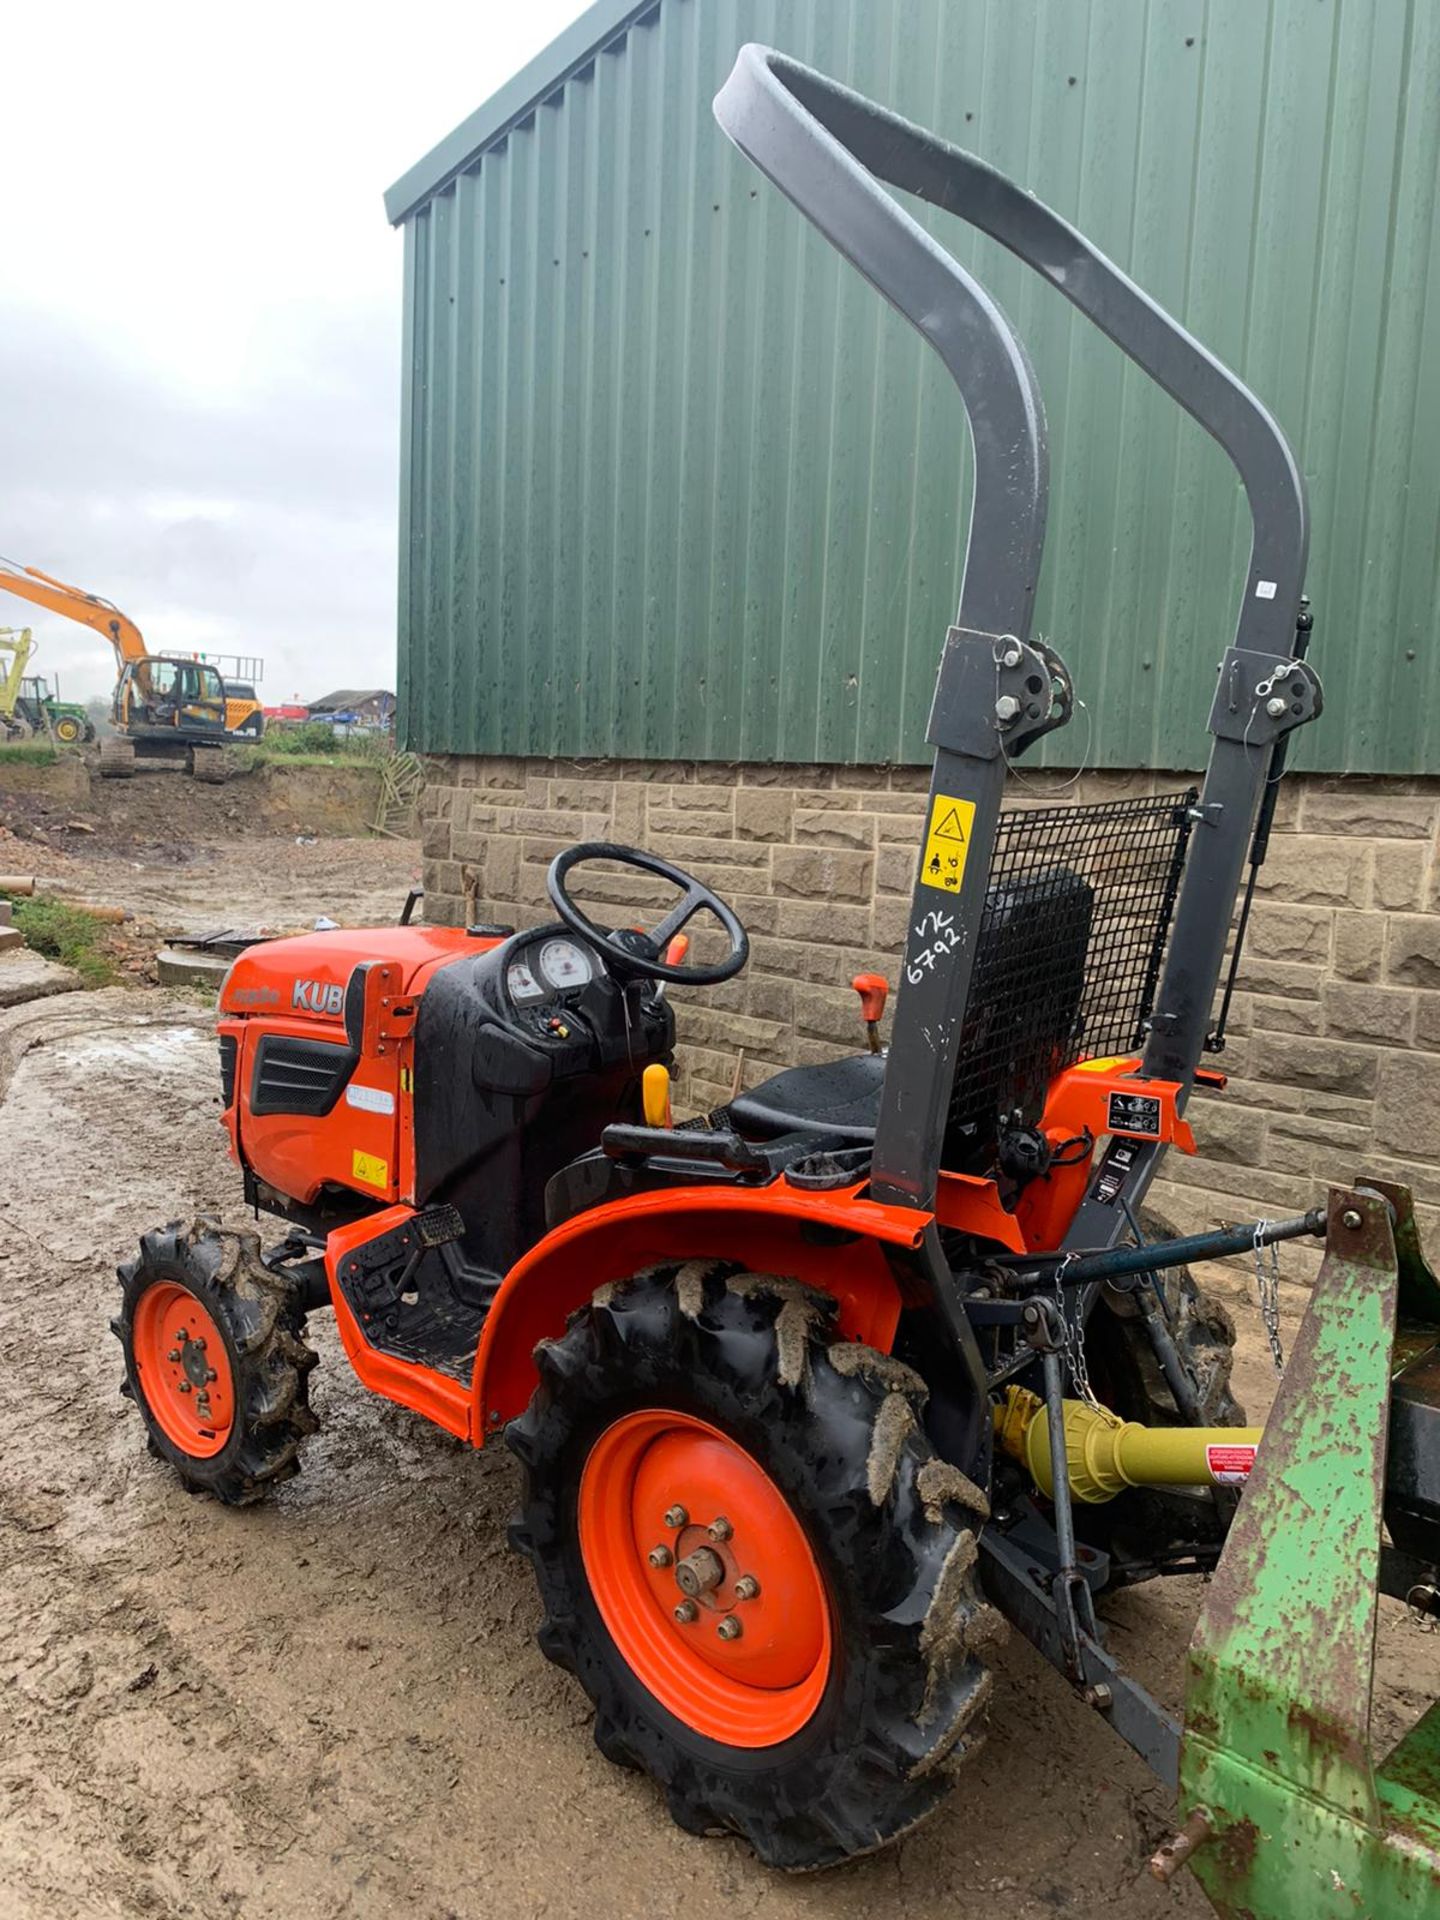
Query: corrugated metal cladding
[{"x": 677, "y": 484}]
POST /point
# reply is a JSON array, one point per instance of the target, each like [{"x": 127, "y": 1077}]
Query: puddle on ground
[{"x": 170, "y": 1049}]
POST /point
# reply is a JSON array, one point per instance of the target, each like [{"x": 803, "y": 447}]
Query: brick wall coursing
[{"x": 1334, "y": 1050}]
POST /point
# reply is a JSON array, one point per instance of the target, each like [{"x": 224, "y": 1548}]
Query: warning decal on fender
[
  {"x": 370, "y": 1168},
  {"x": 947, "y": 842},
  {"x": 1135, "y": 1113},
  {"x": 1229, "y": 1466}
]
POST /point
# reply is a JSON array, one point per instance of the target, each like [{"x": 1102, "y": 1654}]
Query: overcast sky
[{"x": 200, "y": 314}]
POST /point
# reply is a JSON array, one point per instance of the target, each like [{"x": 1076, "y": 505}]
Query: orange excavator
[{"x": 165, "y": 706}]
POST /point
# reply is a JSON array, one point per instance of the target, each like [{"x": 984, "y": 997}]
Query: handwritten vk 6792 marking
[{"x": 939, "y": 931}]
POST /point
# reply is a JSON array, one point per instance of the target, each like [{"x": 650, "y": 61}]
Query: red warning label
[{"x": 1229, "y": 1466}]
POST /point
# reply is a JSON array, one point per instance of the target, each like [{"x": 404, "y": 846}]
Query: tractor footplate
[{"x": 413, "y": 1295}]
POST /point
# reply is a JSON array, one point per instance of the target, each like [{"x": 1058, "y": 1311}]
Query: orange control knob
[
  {"x": 677, "y": 949},
  {"x": 874, "y": 990}
]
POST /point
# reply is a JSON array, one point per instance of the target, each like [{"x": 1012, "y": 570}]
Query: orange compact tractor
[{"x": 789, "y": 1382}]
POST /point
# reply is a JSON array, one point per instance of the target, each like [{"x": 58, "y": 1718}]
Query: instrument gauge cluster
[
  {"x": 565, "y": 963},
  {"x": 521, "y": 983},
  {"x": 548, "y": 970}
]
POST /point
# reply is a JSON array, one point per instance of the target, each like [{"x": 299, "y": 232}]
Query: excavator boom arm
[{"x": 43, "y": 590}]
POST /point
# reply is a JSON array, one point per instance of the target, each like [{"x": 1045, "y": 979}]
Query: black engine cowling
[{"x": 505, "y": 1095}]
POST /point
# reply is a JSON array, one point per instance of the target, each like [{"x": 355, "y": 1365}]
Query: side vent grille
[
  {"x": 299, "y": 1076},
  {"x": 229, "y": 1049}
]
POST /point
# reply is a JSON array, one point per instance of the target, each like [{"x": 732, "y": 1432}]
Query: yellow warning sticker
[
  {"x": 370, "y": 1168},
  {"x": 947, "y": 843}
]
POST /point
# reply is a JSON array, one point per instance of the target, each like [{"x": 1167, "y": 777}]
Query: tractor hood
[{"x": 308, "y": 973}]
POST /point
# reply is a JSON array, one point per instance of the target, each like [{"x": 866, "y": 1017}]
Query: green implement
[{"x": 1289, "y": 1817}]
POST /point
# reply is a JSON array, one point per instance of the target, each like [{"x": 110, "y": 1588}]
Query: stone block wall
[{"x": 1334, "y": 1049}]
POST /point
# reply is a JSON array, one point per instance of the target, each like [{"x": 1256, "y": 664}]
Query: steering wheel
[{"x": 639, "y": 953}]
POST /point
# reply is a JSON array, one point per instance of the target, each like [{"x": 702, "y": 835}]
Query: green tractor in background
[
  {"x": 42, "y": 708},
  {"x": 30, "y": 704}
]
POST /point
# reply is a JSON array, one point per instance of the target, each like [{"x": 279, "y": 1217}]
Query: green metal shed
[{"x": 676, "y": 485}]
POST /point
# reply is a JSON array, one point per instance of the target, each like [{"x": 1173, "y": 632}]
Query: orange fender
[{"x": 775, "y": 1229}]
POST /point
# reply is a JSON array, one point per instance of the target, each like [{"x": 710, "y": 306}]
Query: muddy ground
[{"x": 332, "y": 1705}]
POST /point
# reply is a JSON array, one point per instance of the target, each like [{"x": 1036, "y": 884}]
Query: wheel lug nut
[
  {"x": 687, "y": 1612},
  {"x": 174, "y": 1354},
  {"x": 185, "y": 1387},
  {"x": 676, "y": 1516},
  {"x": 720, "y": 1528},
  {"x": 660, "y": 1556},
  {"x": 199, "y": 1345},
  {"x": 210, "y": 1375},
  {"x": 180, "y": 1336},
  {"x": 747, "y": 1587},
  {"x": 730, "y": 1628}
]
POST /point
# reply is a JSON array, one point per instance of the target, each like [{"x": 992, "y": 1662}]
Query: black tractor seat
[{"x": 840, "y": 1099}]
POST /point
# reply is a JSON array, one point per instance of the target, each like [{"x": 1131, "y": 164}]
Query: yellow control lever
[{"x": 655, "y": 1096}]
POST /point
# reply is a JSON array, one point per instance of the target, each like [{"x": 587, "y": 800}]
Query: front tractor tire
[
  {"x": 215, "y": 1359},
  {"x": 754, "y": 1563}
]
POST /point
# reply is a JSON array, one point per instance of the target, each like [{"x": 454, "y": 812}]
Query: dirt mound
[
  {"x": 162, "y": 817},
  {"x": 278, "y": 847}
]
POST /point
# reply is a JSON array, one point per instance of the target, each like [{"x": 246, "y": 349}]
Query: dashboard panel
[{"x": 549, "y": 968}]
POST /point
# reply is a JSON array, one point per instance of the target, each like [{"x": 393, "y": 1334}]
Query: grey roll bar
[
  {"x": 833, "y": 181},
  {"x": 828, "y": 149}
]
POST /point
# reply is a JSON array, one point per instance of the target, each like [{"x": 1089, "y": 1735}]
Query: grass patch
[
  {"x": 316, "y": 744},
  {"x": 66, "y": 934},
  {"x": 264, "y": 756},
  {"x": 28, "y": 753}
]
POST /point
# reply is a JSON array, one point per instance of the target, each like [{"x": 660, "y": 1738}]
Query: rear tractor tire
[
  {"x": 1129, "y": 1379},
  {"x": 215, "y": 1359},
  {"x": 752, "y": 1560},
  {"x": 1204, "y": 1335},
  {"x": 117, "y": 758}
]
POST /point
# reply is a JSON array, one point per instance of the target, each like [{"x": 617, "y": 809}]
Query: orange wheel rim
[
  {"x": 704, "y": 1578},
  {"x": 184, "y": 1370}
]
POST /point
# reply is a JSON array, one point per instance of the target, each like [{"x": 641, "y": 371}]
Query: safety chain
[
  {"x": 1074, "y": 1349},
  {"x": 1267, "y": 1285}
]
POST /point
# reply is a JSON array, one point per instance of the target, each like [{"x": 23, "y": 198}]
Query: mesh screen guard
[{"x": 1068, "y": 957}]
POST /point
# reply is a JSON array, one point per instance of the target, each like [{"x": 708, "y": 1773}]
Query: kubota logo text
[{"x": 314, "y": 996}]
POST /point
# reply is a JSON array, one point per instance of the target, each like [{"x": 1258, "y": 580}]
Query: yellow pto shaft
[{"x": 1105, "y": 1454}]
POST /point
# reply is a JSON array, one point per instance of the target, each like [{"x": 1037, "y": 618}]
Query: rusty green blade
[{"x": 1276, "y": 1748}]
